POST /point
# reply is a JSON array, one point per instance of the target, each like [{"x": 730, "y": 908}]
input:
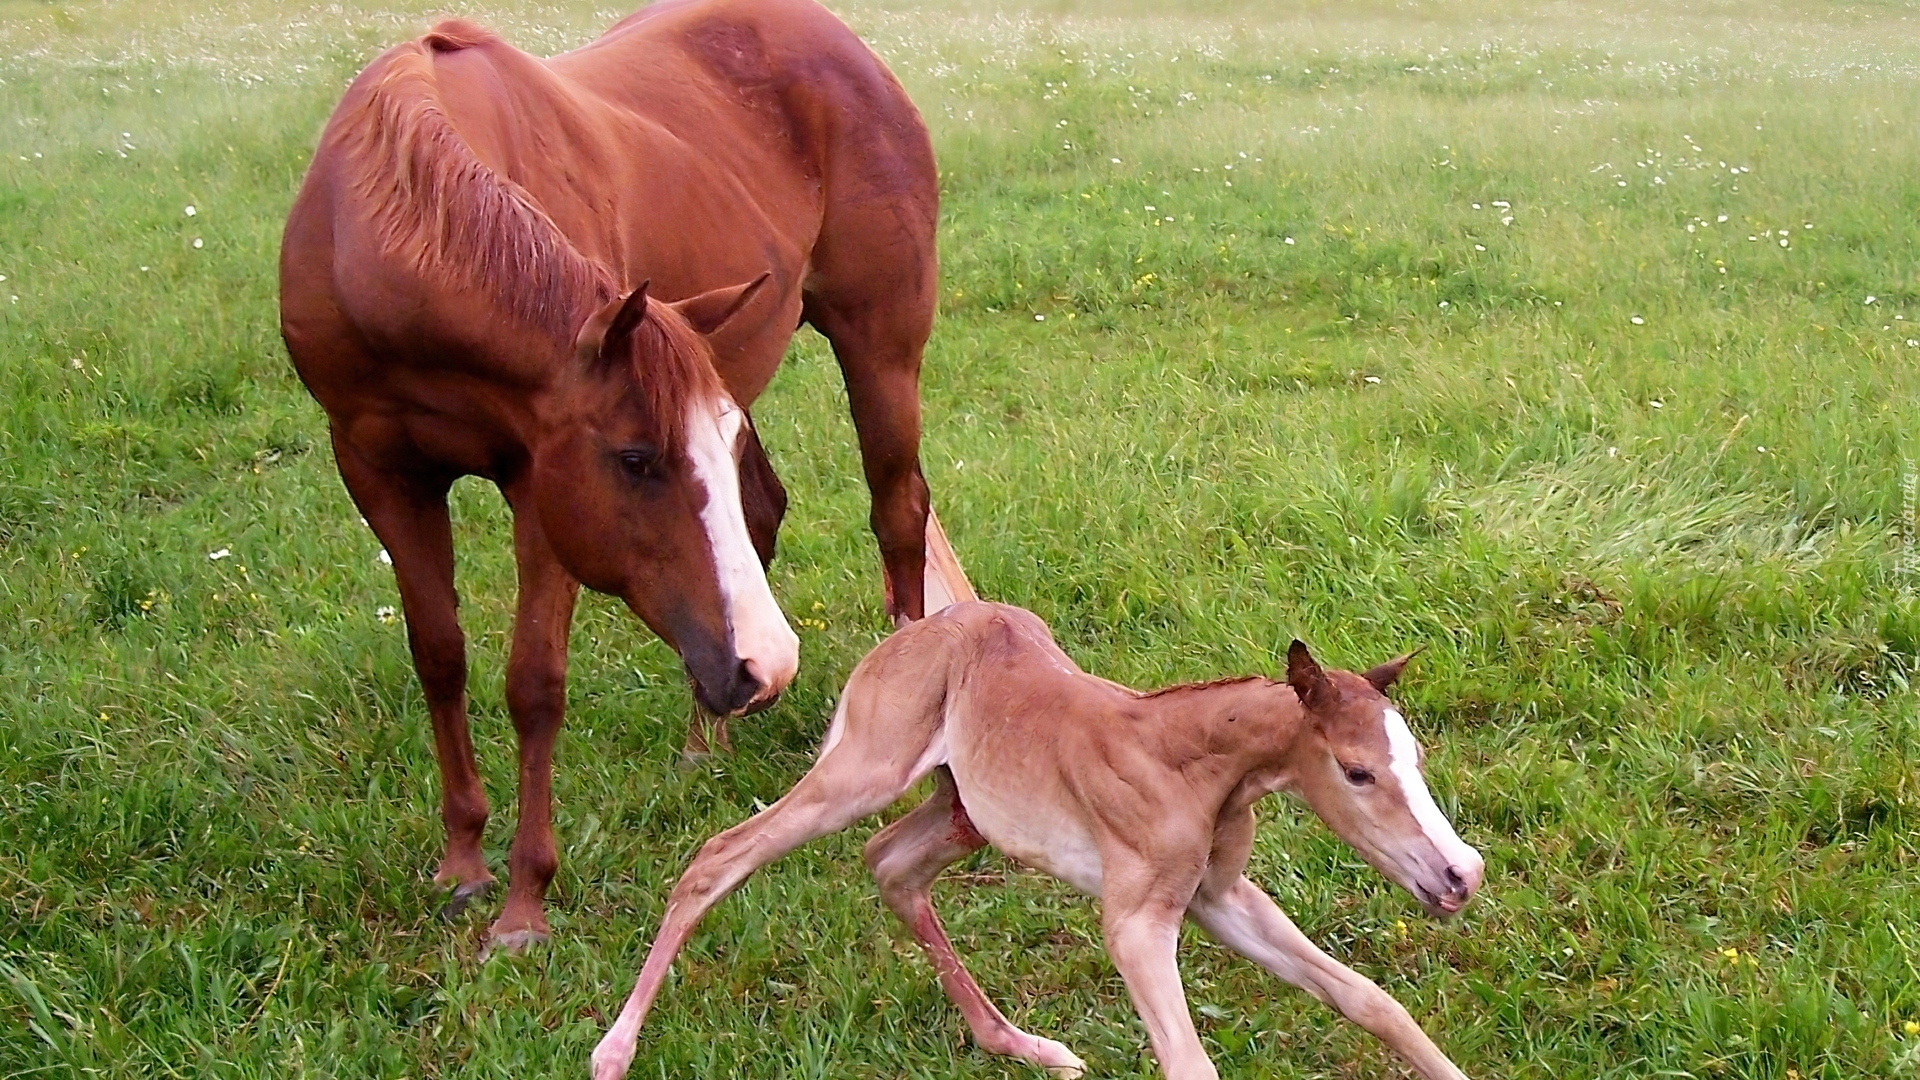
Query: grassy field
[{"x": 1576, "y": 342}]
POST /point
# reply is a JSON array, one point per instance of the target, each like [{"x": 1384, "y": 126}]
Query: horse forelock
[
  {"x": 672, "y": 368},
  {"x": 436, "y": 205}
]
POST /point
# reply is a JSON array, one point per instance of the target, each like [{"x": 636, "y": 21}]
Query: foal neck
[{"x": 1231, "y": 727}]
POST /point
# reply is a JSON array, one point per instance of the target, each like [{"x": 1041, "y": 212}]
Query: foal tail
[{"x": 946, "y": 582}]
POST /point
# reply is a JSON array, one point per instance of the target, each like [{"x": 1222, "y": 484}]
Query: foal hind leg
[
  {"x": 905, "y": 857},
  {"x": 850, "y": 781},
  {"x": 409, "y": 515}
]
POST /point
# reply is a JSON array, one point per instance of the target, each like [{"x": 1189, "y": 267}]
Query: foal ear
[
  {"x": 1303, "y": 672},
  {"x": 709, "y": 311},
  {"x": 613, "y": 322},
  {"x": 1384, "y": 675}
]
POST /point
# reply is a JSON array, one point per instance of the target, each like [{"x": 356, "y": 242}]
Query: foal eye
[
  {"x": 641, "y": 462},
  {"x": 1358, "y": 776}
]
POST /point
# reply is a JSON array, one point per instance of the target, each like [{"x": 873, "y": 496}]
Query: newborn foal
[{"x": 1144, "y": 800}]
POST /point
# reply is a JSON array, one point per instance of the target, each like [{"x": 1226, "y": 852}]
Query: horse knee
[{"x": 536, "y": 695}]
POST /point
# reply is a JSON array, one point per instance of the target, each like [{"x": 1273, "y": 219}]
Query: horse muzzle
[{"x": 1448, "y": 894}]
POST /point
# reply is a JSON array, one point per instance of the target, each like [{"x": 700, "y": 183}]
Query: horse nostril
[{"x": 1463, "y": 879}]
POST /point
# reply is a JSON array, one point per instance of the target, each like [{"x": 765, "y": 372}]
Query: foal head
[
  {"x": 1356, "y": 764},
  {"x": 651, "y": 485}
]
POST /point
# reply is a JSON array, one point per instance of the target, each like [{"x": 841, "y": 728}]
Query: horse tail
[{"x": 946, "y": 582}]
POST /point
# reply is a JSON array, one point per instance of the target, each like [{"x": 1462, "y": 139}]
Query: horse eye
[
  {"x": 641, "y": 462},
  {"x": 1358, "y": 776}
]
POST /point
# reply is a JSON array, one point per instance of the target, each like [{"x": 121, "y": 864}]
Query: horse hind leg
[
  {"x": 905, "y": 857},
  {"x": 410, "y": 518},
  {"x": 855, "y": 777}
]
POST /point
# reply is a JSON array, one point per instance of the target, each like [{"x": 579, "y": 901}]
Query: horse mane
[
  {"x": 1210, "y": 684},
  {"x": 438, "y": 206}
]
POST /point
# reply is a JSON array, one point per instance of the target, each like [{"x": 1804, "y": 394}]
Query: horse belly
[{"x": 1031, "y": 823}]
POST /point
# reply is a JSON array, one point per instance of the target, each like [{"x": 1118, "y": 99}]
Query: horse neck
[{"x": 1234, "y": 729}]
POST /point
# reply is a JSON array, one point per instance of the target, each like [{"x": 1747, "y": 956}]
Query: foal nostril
[{"x": 1463, "y": 879}]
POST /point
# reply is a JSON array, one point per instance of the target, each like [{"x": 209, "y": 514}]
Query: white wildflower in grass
[
  {"x": 1721, "y": 219},
  {"x": 384, "y": 557},
  {"x": 1039, "y": 318},
  {"x": 1479, "y": 247},
  {"x": 216, "y": 556},
  {"x": 1783, "y": 241},
  {"x": 1372, "y": 379},
  {"x": 1873, "y": 300},
  {"x": 1637, "y": 321},
  {"x": 198, "y": 243},
  {"x": 190, "y": 210},
  {"x": 1288, "y": 241},
  {"x": 385, "y": 614},
  {"x": 1657, "y": 403}
]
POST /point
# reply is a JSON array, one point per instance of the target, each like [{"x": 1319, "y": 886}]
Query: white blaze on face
[
  {"x": 1403, "y": 759},
  {"x": 761, "y": 637}
]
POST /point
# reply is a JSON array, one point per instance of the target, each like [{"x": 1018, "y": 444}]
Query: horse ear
[
  {"x": 709, "y": 311},
  {"x": 1303, "y": 672},
  {"x": 632, "y": 311},
  {"x": 1383, "y": 676},
  {"x": 614, "y": 321}
]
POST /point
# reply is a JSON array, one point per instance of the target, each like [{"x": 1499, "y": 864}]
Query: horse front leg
[
  {"x": 537, "y": 701},
  {"x": 409, "y": 516}
]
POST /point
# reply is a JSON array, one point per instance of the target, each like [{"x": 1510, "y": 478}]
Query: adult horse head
[{"x": 652, "y": 486}]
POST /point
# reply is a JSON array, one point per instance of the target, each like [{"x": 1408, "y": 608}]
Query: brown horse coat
[{"x": 458, "y": 291}]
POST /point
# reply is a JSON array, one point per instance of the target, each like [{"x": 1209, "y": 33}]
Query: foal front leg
[
  {"x": 1246, "y": 920},
  {"x": 409, "y": 515},
  {"x": 1142, "y": 926},
  {"x": 537, "y": 700}
]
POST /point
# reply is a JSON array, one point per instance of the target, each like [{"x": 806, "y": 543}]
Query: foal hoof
[
  {"x": 1057, "y": 1059},
  {"x": 512, "y": 942},
  {"x": 463, "y": 894}
]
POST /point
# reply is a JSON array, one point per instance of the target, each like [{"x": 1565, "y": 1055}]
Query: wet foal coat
[
  {"x": 1143, "y": 800},
  {"x": 472, "y": 283}
]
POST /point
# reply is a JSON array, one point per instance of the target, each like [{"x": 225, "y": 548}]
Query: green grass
[{"x": 1651, "y": 519}]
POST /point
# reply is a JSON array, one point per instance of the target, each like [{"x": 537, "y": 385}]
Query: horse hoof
[
  {"x": 1066, "y": 1072},
  {"x": 463, "y": 894},
  {"x": 513, "y": 942}
]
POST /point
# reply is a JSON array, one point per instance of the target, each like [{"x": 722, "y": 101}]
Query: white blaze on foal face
[
  {"x": 1403, "y": 761},
  {"x": 761, "y": 637}
]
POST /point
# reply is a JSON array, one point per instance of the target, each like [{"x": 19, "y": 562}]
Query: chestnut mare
[{"x": 472, "y": 283}]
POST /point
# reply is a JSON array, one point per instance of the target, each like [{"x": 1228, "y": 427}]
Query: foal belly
[{"x": 1030, "y": 828}]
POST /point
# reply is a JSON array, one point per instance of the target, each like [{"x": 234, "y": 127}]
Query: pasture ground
[{"x": 1574, "y": 341}]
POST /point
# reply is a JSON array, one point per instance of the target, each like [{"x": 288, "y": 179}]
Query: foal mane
[
  {"x": 1210, "y": 684},
  {"x": 438, "y": 206}
]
